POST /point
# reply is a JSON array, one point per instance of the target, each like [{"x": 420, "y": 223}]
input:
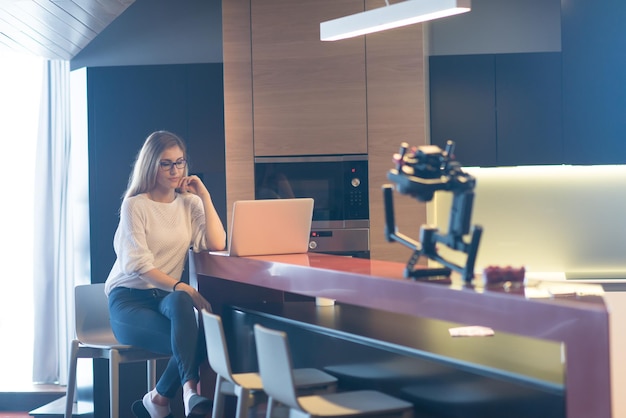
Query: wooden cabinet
[
  {"x": 395, "y": 113},
  {"x": 309, "y": 97},
  {"x": 500, "y": 109},
  {"x": 288, "y": 93}
]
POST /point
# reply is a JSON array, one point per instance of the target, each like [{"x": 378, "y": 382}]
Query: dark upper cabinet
[
  {"x": 462, "y": 106},
  {"x": 594, "y": 81},
  {"x": 502, "y": 109},
  {"x": 528, "y": 107}
]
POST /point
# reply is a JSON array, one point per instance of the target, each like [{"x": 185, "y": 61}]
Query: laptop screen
[{"x": 273, "y": 226}]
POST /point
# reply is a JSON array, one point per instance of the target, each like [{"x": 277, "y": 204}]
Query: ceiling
[{"x": 55, "y": 29}]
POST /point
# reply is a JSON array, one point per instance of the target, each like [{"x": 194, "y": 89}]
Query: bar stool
[
  {"x": 95, "y": 339},
  {"x": 275, "y": 366},
  {"x": 247, "y": 387}
]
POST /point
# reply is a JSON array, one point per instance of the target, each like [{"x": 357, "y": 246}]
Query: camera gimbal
[{"x": 420, "y": 172}]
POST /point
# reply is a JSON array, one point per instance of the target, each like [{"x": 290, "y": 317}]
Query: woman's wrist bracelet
[{"x": 177, "y": 283}]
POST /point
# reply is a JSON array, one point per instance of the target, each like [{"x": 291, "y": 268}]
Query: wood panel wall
[
  {"x": 309, "y": 96},
  {"x": 238, "y": 120},
  {"x": 395, "y": 106},
  {"x": 396, "y": 102}
]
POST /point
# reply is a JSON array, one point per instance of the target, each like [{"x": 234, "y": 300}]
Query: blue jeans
[{"x": 164, "y": 323}]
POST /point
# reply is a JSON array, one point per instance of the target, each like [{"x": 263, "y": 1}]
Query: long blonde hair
[{"x": 144, "y": 174}]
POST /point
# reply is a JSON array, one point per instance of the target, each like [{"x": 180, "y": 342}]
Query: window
[{"x": 20, "y": 84}]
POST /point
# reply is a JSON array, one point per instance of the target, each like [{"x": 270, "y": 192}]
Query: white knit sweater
[{"x": 155, "y": 235}]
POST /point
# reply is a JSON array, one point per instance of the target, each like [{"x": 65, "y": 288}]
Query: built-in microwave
[{"x": 338, "y": 185}]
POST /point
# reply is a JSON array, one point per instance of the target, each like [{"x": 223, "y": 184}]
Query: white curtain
[{"x": 54, "y": 274}]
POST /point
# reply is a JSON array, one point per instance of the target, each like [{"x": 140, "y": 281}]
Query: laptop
[{"x": 268, "y": 227}]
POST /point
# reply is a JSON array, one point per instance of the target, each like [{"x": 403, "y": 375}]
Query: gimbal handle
[{"x": 427, "y": 247}]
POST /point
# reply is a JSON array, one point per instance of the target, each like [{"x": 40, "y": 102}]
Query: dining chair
[
  {"x": 247, "y": 387},
  {"x": 95, "y": 339},
  {"x": 275, "y": 367}
]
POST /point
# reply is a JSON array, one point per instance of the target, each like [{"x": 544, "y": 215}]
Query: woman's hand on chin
[{"x": 192, "y": 184}]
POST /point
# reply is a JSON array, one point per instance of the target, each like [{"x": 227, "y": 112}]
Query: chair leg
[
  {"x": 151, "y": 374},
  {"x": 243, "y": 403},
  {"x": 114, "y": 383},
  {"x": 218, "y": 398},
  {"x": 270, "y": 407},
  {"x": 70, "y": 395}
]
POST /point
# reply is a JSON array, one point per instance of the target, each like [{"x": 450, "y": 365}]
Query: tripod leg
[
  {"x": 410, "y": 265},
  {"x": 411, "y": 272},
  {"x": 472, "y": 252}
]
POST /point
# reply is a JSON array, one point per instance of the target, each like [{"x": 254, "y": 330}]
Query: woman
[{"x": 164, "y": 212}]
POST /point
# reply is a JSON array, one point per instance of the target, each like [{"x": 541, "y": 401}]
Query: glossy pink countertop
[{"x": 577, "y": 320}]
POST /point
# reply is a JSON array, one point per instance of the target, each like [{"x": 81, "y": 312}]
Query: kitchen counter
[{"x": 574, "y": 316}]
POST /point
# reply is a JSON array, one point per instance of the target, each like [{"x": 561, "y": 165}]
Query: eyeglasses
[{"x": 167, "y": 165}]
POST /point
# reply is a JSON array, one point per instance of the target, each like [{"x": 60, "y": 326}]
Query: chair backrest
[
  {"x": 275, "y": 365},
  {"x": 217, "y": 350},
  {"x": 92, "y": 315}
]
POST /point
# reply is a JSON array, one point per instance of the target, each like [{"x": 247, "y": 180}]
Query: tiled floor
[
  {"x": 26, "y": 398},
  {"x": 7, "y": 386}
]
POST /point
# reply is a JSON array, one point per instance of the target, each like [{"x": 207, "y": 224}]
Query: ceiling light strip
[{"x": 389, "y": 17}]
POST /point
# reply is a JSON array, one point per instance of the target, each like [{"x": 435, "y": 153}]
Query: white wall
[
  {"x": 567, "y": 219},
  {"x": 153, "y": 32},
  {"x": 499, "y": 26}
]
